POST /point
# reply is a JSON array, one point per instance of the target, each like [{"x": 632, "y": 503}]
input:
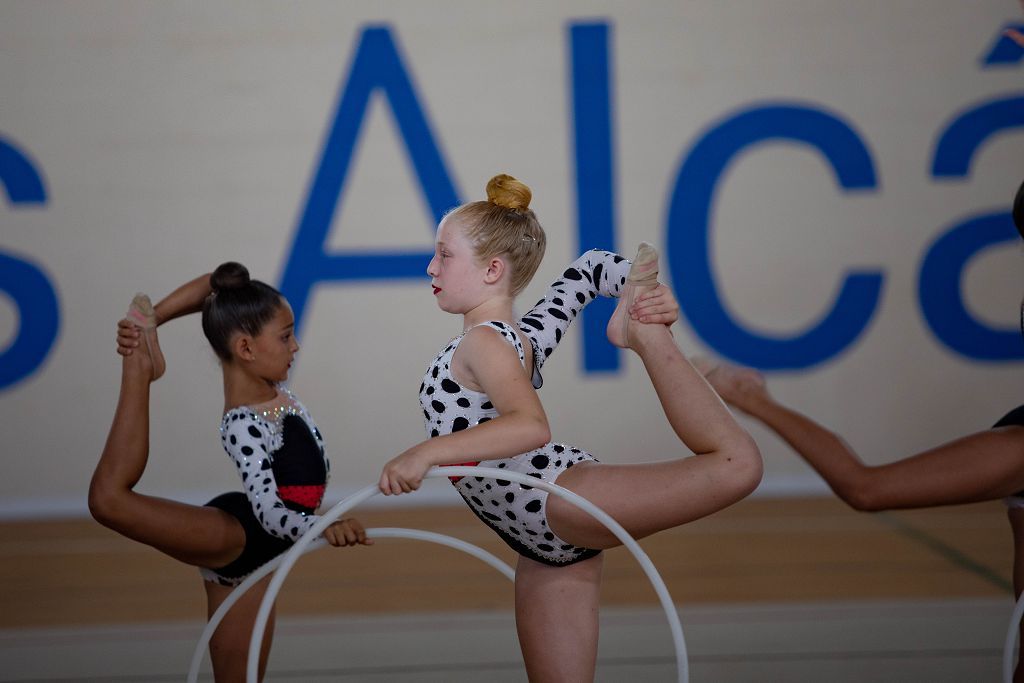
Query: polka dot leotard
[
  {"x": 515, "y": 511},
  {"x": 594, "y": 273},
  {"x": 279, "y": 453}
]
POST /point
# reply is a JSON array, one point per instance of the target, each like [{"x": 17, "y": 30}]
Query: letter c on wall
[{"x": 689, "y": 224}]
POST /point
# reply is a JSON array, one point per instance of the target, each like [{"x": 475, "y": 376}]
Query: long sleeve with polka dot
[
  {"x": 595, "y": 272},
  {"x": 253, "y": 442}
]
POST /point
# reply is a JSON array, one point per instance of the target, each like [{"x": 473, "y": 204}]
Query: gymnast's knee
[{"x": 746, "y": 466}]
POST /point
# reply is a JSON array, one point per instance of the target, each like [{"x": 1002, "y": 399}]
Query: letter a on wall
[{"x": 377, "y": 65}]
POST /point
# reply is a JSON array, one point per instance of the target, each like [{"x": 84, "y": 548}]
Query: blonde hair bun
[{"x": 508, "y": 193}]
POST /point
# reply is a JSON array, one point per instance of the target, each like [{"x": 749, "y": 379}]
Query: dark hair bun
[
  {"x": 508, "y": 193},
  {"x": 230, "y": 275}
]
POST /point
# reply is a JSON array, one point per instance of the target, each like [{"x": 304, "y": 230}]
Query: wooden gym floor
[
  {"x": 74, "y": 572},
  {"x": 760, "y": 557}
]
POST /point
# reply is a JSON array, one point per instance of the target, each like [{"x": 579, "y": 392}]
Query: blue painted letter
[
  {"x": 942, "y": 297},
  {"x": 23, "y": 281},
  {"x": 940, "y": 282},
  {"x": 376, "y": 65},
  {"x": 595, "y": 178},
  {"x": 689, "y": 224}
]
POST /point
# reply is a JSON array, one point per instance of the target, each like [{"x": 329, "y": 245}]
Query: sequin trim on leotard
[{"x": 279, "y": 453}]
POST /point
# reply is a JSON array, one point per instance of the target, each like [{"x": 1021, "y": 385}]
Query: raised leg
[
  {"x": 196, "y": 535},
  {"x": 229, "y": 646},
  {"x": 646, "y": 498},
  {"x": 987, "y": 465},
  {"x": 557, "y": 619}
]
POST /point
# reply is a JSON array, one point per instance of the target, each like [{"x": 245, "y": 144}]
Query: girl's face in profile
[
  {"x": 454, "y": 273},
  {"x": 274, "y": 348}
]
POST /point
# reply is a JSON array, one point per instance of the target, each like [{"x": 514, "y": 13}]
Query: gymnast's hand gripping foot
[
  {"x": 249, "y": 325},
  {"x": 481, "y": 406}
]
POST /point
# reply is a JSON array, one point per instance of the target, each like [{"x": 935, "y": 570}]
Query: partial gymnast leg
[
  {"x": 229, "y": 646},
  {"x": 647, "y": 498},
  {"x": 1016, "y": 517},
  {"x": 983, "y": 466},
  {"x": 557, "y": 619},
  {"x": 200, "y": 536}
]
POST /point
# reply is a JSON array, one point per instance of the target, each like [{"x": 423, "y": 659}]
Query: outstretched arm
[{"x": 983, "y": 466}]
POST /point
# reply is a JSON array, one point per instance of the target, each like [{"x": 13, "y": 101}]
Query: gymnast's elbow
[
  {"x": 538, "y": 430},
  {"x": 861, "y": 497}
]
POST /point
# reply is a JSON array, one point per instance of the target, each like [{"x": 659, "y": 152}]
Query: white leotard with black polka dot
[
  {"x": 594, "y": 273},
  {"x": 284, "y": 486},
  {"x": 517, "y": 512}
]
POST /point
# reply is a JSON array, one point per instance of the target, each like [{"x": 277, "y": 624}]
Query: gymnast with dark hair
[
  {"x": 271, "y": 437},
  {"x": 986, "y": 465}
]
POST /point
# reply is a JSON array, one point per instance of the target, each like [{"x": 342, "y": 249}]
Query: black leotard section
[
  {"x": 260, "y": 547},
  {"x": 299, "y": 461},
  {"x": 1014, "y": 417}
]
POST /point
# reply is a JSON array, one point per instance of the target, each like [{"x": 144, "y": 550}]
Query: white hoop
[
  {"x": 1011, "y": 640},
  {"x": 379, "y": 532},
  {"x": 295, "y": 552}
]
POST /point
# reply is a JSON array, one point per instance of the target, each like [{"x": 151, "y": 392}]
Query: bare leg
[
  {"x": 557, "y": 619},
  {"x": 983, "y": 466},
  {"x": 201, "y": 536},
  {"x": 1016, "y": 516},
  {"x": 195, "y": 535},
  {"x": 229, "y": 646},
  {"x": 651, "y": 497}
]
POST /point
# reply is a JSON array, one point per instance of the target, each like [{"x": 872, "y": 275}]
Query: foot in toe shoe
[
  {"x": 643, "y": 275},
  {"x": 141, "y": 312}
]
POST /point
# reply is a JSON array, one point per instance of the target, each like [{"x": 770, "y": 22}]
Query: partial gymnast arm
[
  {"x": 184, "y": 300},
  {"x": 594, "y": 273},
  {"x": 982, "y": 466},
  {"x": 521, "y": 425},
  {"x": 1015, "y": 35},
  {"x": 247, "y": 442}
]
